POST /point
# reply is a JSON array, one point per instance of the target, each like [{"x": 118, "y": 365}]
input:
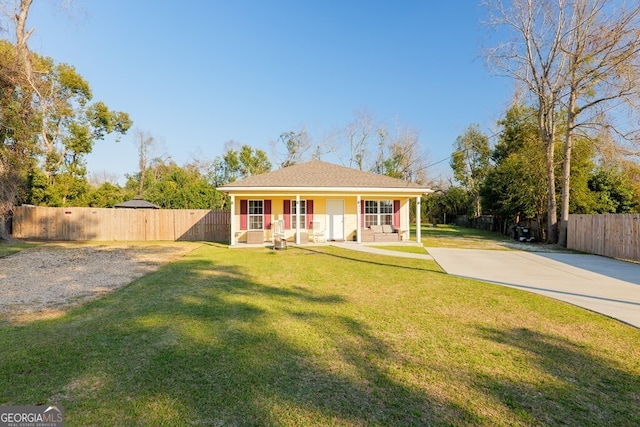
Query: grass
[
  {"x": 405, "y": 249},
  {"x": 322, "y": 336},
  {"x": 451, "y": 236},
  {"x": 8, "y": 248}
]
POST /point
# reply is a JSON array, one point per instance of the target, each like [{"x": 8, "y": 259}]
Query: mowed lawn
[
  {"x": 450, "y": 236},
  {"x": 322, "y": 336}
]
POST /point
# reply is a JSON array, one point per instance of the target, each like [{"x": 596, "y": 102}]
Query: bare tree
[
  {"x": 144, "y": 142},
  {"x": 470, "y": 162},
  {"x": 358, "y": 136},
  {"x": 399, "y": 154},
  {"x": 603, "y": 68},
  {"x": 328, "y": 144},
  {"x": 21, "y": 12},
  {"x": 103, "y": 176},
  {"x": 17, "y": 12},
  {"x": 579, "y": 61},
  {"x": 533, "y": 57},
  {"x": 297, "y": 145}
]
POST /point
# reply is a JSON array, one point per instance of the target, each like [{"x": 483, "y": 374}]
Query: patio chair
[
  {"x": 318, "y": 232},
  {"x": 277, "y": 234}
]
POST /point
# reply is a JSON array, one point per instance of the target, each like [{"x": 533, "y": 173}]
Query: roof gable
[{"x": 319, "y": 174}]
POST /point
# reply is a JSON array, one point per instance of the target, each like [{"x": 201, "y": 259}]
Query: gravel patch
[{"x": 45, "y": 281}]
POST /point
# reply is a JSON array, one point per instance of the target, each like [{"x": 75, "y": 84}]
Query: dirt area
[{"x": 45, "y": 281}]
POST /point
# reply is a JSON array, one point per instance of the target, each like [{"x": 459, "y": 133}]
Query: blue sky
[{"x": 196, "y": 74}]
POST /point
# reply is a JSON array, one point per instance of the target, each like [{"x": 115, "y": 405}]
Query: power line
[
  {"x": 433, "y": 164},
  {"x": 438, "y": 162}
]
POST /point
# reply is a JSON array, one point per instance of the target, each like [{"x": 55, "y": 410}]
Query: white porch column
[
  {"x": 407, "y": 218},
  {"x": 232, "y": 222},
  {"x": 358, "y": 219},
  {"x": 418, "y": 233},
  {"x": 297, "y": 219}
]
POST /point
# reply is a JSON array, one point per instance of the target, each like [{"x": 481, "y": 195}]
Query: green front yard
[
  {"x": 448, "y": 236},
  {"x": 322, "y": 336},
  {"x": 7, "y": 248}
]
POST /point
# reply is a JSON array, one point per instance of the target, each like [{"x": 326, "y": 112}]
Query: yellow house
[{"x": 320, "y": 200}]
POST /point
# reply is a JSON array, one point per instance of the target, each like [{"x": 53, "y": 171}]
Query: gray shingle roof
[
  {"x": 137, "y": 204},
  {"x": 319, "y": 174}
]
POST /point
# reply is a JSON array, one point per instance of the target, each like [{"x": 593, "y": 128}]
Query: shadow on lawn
[
  {"x": 201, "y": 343},
  {"x": 398, "y": 262},
  {"x": 575, "y": 387}
]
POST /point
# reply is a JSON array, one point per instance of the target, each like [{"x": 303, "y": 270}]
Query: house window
[
  {"x": 378, "y": 212},
  {"x": 303, "y": 214},
  {"x": 256, "y": 211}
]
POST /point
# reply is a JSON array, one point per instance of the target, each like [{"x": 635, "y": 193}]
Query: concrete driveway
[{"x": 600, "y": 284}]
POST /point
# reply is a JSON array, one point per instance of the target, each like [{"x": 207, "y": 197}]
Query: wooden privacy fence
[
  {"x": 612, "y": 235},
  {"x": 34, "y": 222}
]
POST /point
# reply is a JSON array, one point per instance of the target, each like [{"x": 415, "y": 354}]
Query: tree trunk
[
  {"x": 564, "y": 209},
  {"x": 4, "y": 235},
  {"x": 22, "y": 35},
  {"x": 9, "y": 168},
  {"x": 566, "y": 170},
  {"x": 547, "y": 127},
  {"x": 552, "y": 216}
]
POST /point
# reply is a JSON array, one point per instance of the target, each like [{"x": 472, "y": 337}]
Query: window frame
[
  {"x": 378, "y": 212},
  {"x": 303, "y": 214},
  {"x": 252, "y": 216}
]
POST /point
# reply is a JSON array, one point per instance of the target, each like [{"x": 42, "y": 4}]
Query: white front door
[{"x": 335, "y": 219}]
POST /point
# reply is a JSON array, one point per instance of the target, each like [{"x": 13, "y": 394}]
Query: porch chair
[
  {"x": 277, "y": 231},
  {"x": 318, "y": 232}
]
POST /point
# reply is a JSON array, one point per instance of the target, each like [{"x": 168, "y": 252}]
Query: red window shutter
[
  {"x": 310, "y": 214},
  {"x": 287, "y": 214},
  {"x": 267, "y": 214},
  {"x": 244, "y": 209},
  {"x": 396, "y": 213},
  {"x": 362, "y": 222}
]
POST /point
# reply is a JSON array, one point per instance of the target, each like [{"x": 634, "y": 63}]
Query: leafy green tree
[
  {"x": 173, "y": 187},
  {"x": 583, "y": 200},
  {"x": 48, "y": 122},
  {"x": 238, "y": 164},
  {"x": 470, "y": 162},
  {"x": 38, "y": 192},
  {"x": 70, "y": 124},
  {"x": 447, "y": 204},
  {"x": 18, "y": 132},
  {"x": 614, "y": 193},
  {"x": 516, "y": 185},
  {"x": 253, "y": 161},
  {"x": 68, "y": 190},
  {"x": 107, "y": 195},
  {"x": 631, "y": 174},
  {"x": 233, "y": 165}
]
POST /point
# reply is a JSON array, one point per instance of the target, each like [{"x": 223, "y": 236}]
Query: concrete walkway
[
  {"x": 600, "y": 284},
  {"x": 364, "y": 248}
]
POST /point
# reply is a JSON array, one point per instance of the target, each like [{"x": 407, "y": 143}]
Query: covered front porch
[{"x": 305, "y": 218}]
